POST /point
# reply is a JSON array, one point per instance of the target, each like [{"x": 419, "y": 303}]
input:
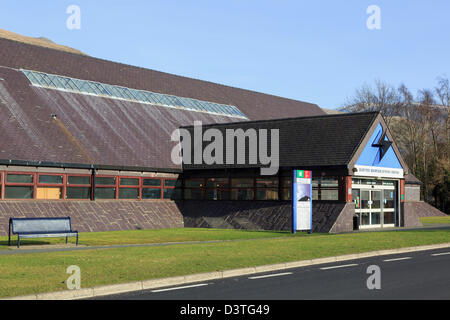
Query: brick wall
[
  {"x": 97, "y": 215},
  {"x": 413, "y": 210},
  {"x": 258, "y": 215},
  {"x": 90, "y": 216}
]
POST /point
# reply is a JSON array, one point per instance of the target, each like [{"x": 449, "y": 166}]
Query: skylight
[{"x": 51, "y": 81}]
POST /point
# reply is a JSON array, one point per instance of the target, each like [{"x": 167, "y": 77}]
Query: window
[
  {"x": 56, "y": 186},
  {"x": 217, "y": 189},
  {"x": 50, "y": 179},
  {"x": 105, "y": 193},
  {"x": 19, "y": 186},
  {"x": 129, "y": 188},
  {"x": 152, "y": 182},
  {"x": 106, "y": 181},
  {"x": 242, "y": 194},
  {"x": 267, "y": 188},
  {"x": 242, "y": 189},
  {"x": 105, "y": 187},
  {"x": 242, "y": 182},
  {"x": 151, "y": 188},
  {"x": 78, "y": 187},
  {"x": 169, "y": 191},
  {"x": 96, "y": 88},
  {"x": 286, "y": 188},
  {"x": 193, "y": 189},
  {"x": 83, "y": 193},
  {"x": 151, "y": 193},
  {"x": 19, "y": 178},
  {"x": 325, "y": 188},
  {"x": 15, "y": 192}
]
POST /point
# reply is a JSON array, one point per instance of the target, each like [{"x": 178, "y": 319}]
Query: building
[{"x": 91, "y": 139}]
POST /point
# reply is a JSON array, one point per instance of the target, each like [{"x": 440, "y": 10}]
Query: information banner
[{"x": 302, "y": 201}]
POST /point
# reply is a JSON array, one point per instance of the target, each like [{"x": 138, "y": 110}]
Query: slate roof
[
  {"x": 88, "y": 130},
  {"x": 328, "y": 140},
  {"x": 255, "y": 105},
  {"x": 412, "y": 179},
  {"x": 92, "y": 130}
]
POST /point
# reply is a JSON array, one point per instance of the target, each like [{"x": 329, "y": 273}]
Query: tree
[{"x": 382, "y": 97}]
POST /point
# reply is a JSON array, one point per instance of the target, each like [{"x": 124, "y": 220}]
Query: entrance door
[
  {"x": 370, "y": 207},
  {"x": 388, "y": 208},
  {"x": 375, "y": 202},
  {"x": 375, "y": 207}
]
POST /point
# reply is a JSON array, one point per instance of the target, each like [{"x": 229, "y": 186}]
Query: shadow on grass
[{"x": 24, "y": 243}]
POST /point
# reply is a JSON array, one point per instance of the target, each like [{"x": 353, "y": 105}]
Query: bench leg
[
  {"x": 18, "y": 241},
  {"x": 66, "y": 239},
  {"x": 77, "y": 239}
]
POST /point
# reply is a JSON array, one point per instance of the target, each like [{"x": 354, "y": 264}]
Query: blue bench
[{"x": 40, "y": 228}]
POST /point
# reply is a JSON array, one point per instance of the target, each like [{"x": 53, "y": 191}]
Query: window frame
[
  {"x": 107, "y": 186},
  {"x": 19, "y": 184},
  {"x": 160, "y": 187},
  {"x": 68, "y": 185},
  {"x": 120, "y": 186}
]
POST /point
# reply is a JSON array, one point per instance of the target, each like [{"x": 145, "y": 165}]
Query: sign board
[
  {"x": 301, "y": 200},
  {"x": 368, "y": 171}
]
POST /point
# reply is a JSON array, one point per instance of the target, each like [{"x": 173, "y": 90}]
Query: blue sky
[{"x": 315, "y": 51}]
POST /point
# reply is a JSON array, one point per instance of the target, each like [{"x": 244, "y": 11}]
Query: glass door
[
  {"x": 389, "y": 208},
  {"x": 375, "y": 207},
  {"x": 369, "y": 207},
  {"x": 364, "y": 211}
]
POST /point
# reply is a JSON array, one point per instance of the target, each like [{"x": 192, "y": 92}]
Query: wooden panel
[{"x": 48, "y": 193}]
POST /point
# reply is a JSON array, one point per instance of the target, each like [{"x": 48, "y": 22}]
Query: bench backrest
[{"x": 40, "y": 225}]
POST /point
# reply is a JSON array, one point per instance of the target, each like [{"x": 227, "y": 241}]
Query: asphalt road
[{"x": 415, "y": 275}]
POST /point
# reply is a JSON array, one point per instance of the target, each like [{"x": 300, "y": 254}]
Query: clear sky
[{"x": 315, "y": 51}]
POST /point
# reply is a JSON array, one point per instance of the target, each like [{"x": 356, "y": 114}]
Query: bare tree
[
  {"x": 443, "y": 93},
  {"x": 382, "y": 97},
  {"x": 408, "y": 112}
]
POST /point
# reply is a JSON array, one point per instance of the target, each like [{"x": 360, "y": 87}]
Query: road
[{"x": 415, "y": 275}]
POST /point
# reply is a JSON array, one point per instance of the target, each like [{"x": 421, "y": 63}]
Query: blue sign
[{"x": 301, "y": 201}]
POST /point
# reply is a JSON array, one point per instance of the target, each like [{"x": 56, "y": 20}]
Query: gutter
[{"x": 32, "y": 163}]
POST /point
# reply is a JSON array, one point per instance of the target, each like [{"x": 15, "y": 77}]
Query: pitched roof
[
  {"x": 257, "y": 106},
  {"x": 328, "y": 140},
  {"x": 412, "y": 179},
  {"x": 95, "y": 130},
  {"x": 87, "y": 129}
]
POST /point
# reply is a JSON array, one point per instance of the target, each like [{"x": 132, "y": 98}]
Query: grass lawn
[
  {"x": 149, "y": 236},
  {"x": 22, "y": 274},
  {"x": 435, "y": 220}
]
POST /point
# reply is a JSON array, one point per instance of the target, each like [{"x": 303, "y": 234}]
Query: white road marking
[
  {"x": 341, "y": 266},
  {"x": 397, "y": 259},
  {"x": 270, "y": 275},
  {"x": 440, "y": 254},
  {"x": 183, "y": 287}
]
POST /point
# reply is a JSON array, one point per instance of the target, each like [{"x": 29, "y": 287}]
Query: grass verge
[
  {"x": 150, "y": 236},
  {"x": 435, "y": 220},
  {"x": 22, "y": 274}
]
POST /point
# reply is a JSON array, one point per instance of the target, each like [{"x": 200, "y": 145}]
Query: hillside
[{"x": 41, "y": 41}]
